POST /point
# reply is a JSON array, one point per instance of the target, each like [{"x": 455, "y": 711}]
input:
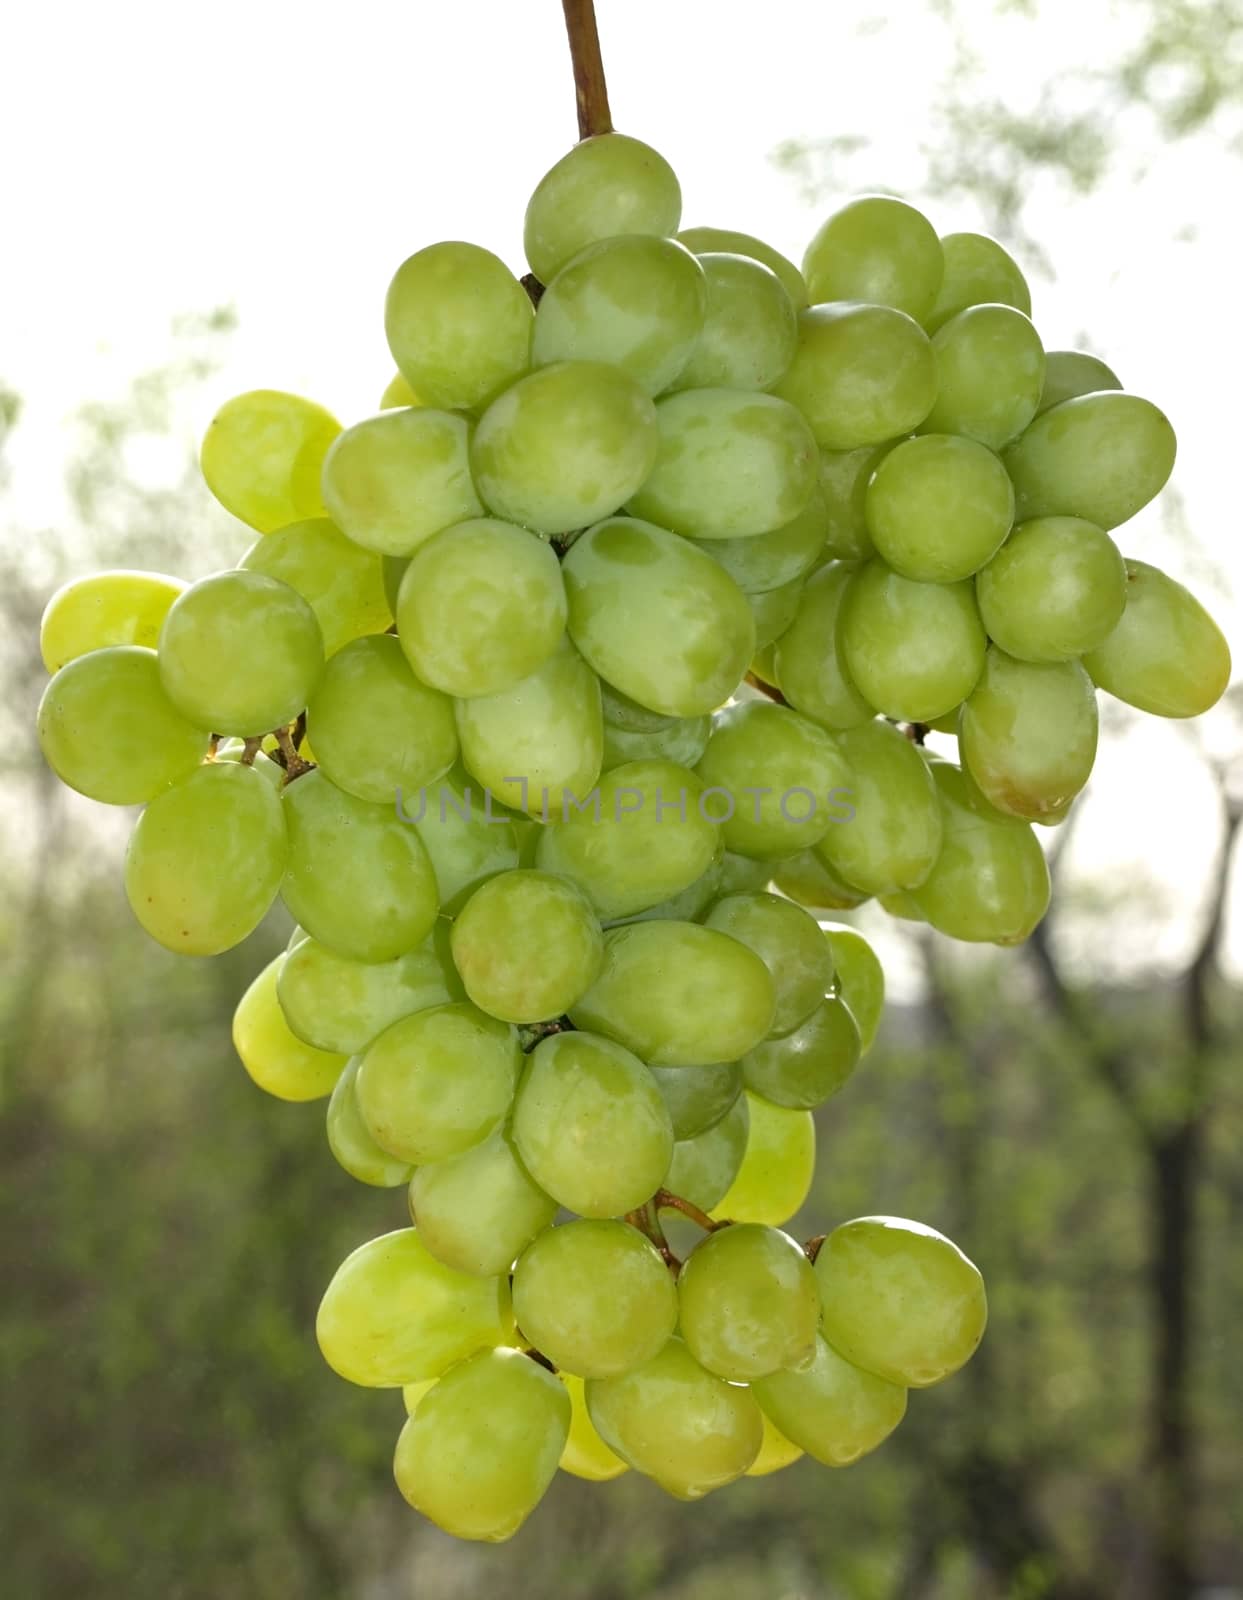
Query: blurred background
[{"x": 200, "y": 201}]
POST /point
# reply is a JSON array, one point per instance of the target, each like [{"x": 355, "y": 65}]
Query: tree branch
[{"x": 590, "y": 89}]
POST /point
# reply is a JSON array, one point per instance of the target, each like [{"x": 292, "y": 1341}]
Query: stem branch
[
  {"x": 667, "y": 1201},
  {"x": 590, "y": 89}
]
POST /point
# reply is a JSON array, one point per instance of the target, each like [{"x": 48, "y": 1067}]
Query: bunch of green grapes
[{"x": 547, "y": 700}]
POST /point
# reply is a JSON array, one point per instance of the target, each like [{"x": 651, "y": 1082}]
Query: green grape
[
  {"x": 893, "y": 837},
  {"x": 990, "y": 882},
  {"x": 749, "y": 331},
  {"x": 774, "y": 611},
  {"x": 481, "y": 607},
  {"x": 234, "y": 749},
  {"x": 108, "y": 730},
  {"x": 805, "y": 879},
  {"x": 762, "y": 562},
  {"x": 860, "y": 977},
  {"x": 678, "y": 994},
  {"x": 731, "y": 464},
  {"x": 622, "y": 712},
  {"x": 643, "y": 837},
  {"x": 775, "y": 778},
  {"x": 586, "y": 1455},
  {"x": 540, "y": 741},
  {"x": 397, "y": 392},
  {"x": 606, "y": 185},
  {"x": 1101, "y": 457},
  {"x": 205, "y": 860},
  {"x": 262, "y": 454},
  {"x": 677, "y": 1423},
  {"x": 458, "y": 324},
  {"x": 747, "y": 1303},
  {"x": 466, "y": 839},
  {"x": 658, "y": 620},
  {"x": 359, "y": 879},
  {"x": 717, "y": 241},
  {"x": 938, "y": 507},
  {"x": 682, "y": 741},
  {"x": 1028, "y": 734},
  {"x": 276, "y": 1059},
  {"x": 1069, "y": 373},
  {"x": 776, "y": 1451},
  {"x": 977, "y": 272},
  {"x": 352, "y": 1146},
  {"x": 915, "y": 650},
  {"x": 527, "y": 945},
  {"x": 900, "y": 1300},
  {"x": 477, "y": 1456},
  {"x": 802, "y": 1069},
  {"x": 861, "y": 374},
  {"x": 789, "y": 943},
  {"x": 594, "y": 1297},
  {"x": 393, "y": 570},
  {"x": 844, "y": 479},
  {"x": 704, "y": 1165},
  {"x": 395, "y": 480},
  {"x": 438, "y": 1081},
  {"x": 698, "y": 1097},
  {"x": 762, "y": 665},
  {"x": 1166, "y": 656},
  {"x": 1054, "y": 590},
  {"x": 688, "y": 905},
  {"x": 338, "y": 1004},
  {"x": 342, "y": 583},
  {"x": 808, "y": 656},
  {"x": 777, "y": 1165},
  {"x": 104, "y": 609},
  {"x": 878, "y": 250},
  {"x": 240, "y": 653},
  {"x": 636, "y": 302},
  {"x": 742, "y": 875},
  {"x": 590, "y": 1125},
  {"x": 990, "y": 374},
  {"x": 833, "y": 1410},
  {"x": 479, "y": 1210},
  {"x": 900, "y": 905}
]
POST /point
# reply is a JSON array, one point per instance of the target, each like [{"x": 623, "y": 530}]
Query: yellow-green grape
[
  {"x": 240, "y": 653},
  {"x": 938, "y": 507},
  {"x": 636, "y": 302},
  {"x": 338, "y": 1004},
  {"x": 808, "y": 656},
  {"x": 844, "y": 478},
  {"x": 590, "y": 1125},
  {"x": 527, "y": 945},
  {"x": 762, "y": 666},
  {"x": 789, "y": 943},
  {"x": 900, "y": 905},
  {"x": 750, "y": 329},
  {"x": 731, "y": 464},
  {"x": 537, "y": 746},
  {"x": 777, "y": 1165},
  {"x": 657, "y": 619},
  {"x": 914, "y": 650},
  {"x": 262, "y": 763},
  {"x": 860, "y": 978},
  {"x": 688, "y": 905},
  {"x": 437, "y": 1082},
  {"x": 397, "y": 392},
  {"x": 594, "y": 1297},
  {"x": 359, "y": 879},
  {"x": 278, "y": 1061},
  {"x": 1054, "y": 590},
  {"x": 833, "y": 1410},
  {"x": 705, "y": 1164},
  {"x": 352, "y": 1146},
  {"x": 641, "y": 837},
  {"x": 479, "y": 1210},
  {"x": 458, "y": 324},
  {"x": 103, "y": 609},
  {"x": 586, "y": 1455},
  {"x": 1101, "y": 457},
  {"x": 1068, "y": 373},
  {"x": 990, "y": 375},
  {"x": 860, "y": 375},
  {"x": 900, "y": 1300},
  {"x": 467, "y": 837},
  {"x": 878, "y": 250},
  {"x": 262, "y": 455},
  {"x": 726, "y": 241},
  {"x": 698, "y": 1097},
  {"x": 565, "y": 446},
  {"x": 108, "y": 730},
  {"x": 774, "y": 777},
  {"x": 893, "y": 836},
  {"x": 990, "y": 882},
  {"x": 774, "y": 611},
  {"x": 393, "y": 570},
  {"x": 805, "y": 878},
  {"x": 393, "y": 481},
  {"x": 412, "y": 1393},
  {"x": 622, "y": 712},
  {"x": 1166, "y": 655},
  {"x": 678, "y": 1423},
  {"x": 776, "y": 1451},
  {"x": 205, "y": 860},
  {"x": 803, "y": 1068},
  {"x": 682, "y": 741},
  {"x": 977, "y": 272},
  {"x": 607, "y": 185},
  {"x": 342, "y": 583},
  {"x": 1028, "y": 733},
  {"x": 762, "y": 562},
  {"x": 747, "y": 1303}
]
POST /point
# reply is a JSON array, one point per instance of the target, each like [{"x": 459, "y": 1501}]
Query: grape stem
[
  {"x": 531, "y": 1033},
  {"x": 590, "y": 89},
  {"x": 647, "y": 1220},
  {"x": 766, "y": 689},
  {"x": 812, "y": 1248},
  {"x": 293, "y": 763},
  {"x": 674, "y": 1202},
  {"x": 250, "y": 749}
]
